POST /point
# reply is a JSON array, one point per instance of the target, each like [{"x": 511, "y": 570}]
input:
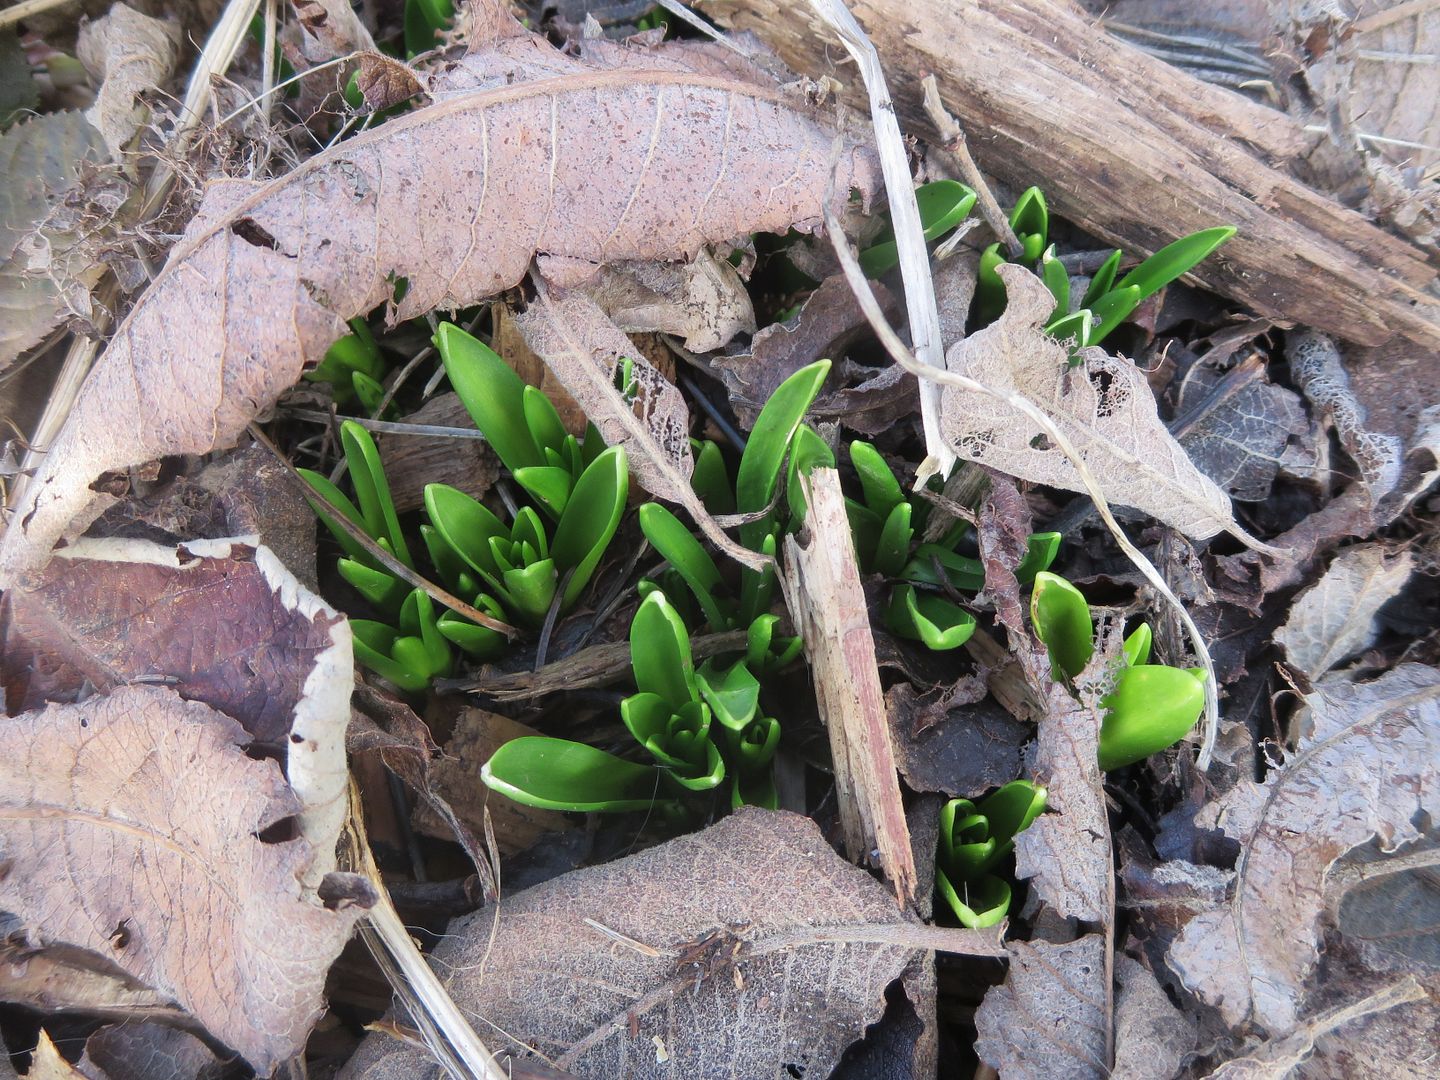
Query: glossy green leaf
[
  {"x": 356, "y": 351},
  {"x": 1040, "y": 551},
  {"x": 466, "y": 525},
  {"x": 1104, "y": 278},
  {"x": 548, "y": 485},
  {"x": 757, "y": 587},
  {"x": 881, "y": 490},
  {"x": 1151, "y": 708},
  {"x": 1174, "y": 260},
  {"x": 373, "y": 642},
  {"x": 1010, "y": 810},
  {"x": 527, "y": 532},
  {"x": 660, "y": 652},
  {"x": 556, "y": 774},
  {"x": 370, "y": 394},
  {"x": 542, "y": 420},
  {"x": 591, "y": 517},
  {"x": 372, "y": 490},
  {"x": 707, "y": 777},
  {"x": 423, "y": 20},
  {"x": 1057, "y": 280},
  {"x": 943, "y": 204},
  {"x": 1137, "y": 645},
  {"x": 989, "y": 288},
  {"x": 1112, "y": 309},
  {"x": 492, "y": 394},
  {"x": 760, "y": 464},
  {"x": 1031, "y": 217},
  {"x": 865, "y": 528},
  {"x": 380, "y": 587},
  {"x": 960, "y": 571},
  {"x": 477, "y": 642},
  {"x": 331, "y": 501},
  {"x": 530, "y": 590},
  {"x": 751, "y": 748},
  {"x": 936, "y": 622},
  {"x": 733, "y": 693},
  {"x": 764, "y": 652},
  {"x": 1061, "y": 618},
  {"x": 1078, "y": 327},
  {"x": 807, "y": 451},
  {"x": 453, "y": 570},
  {"x": 711, "y": 480},
  {"x": 977, "y": 904},
  {"x": 893, "y": 544},
  {"x": 757, "y": 789},
  {"x": 677, "y": 545},
  {"x": 417, "y": 619}
]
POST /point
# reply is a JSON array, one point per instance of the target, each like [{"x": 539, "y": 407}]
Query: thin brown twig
[{"x": 953, "y": 144}]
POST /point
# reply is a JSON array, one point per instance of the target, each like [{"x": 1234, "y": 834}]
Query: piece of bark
[
  {"x": 1131, "y": 149},
  {"x": 827, "y": 601}
]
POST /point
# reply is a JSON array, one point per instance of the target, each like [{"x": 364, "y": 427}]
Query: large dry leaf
[
  {"x": 149, "y": 1052},
  {"x": 1105, "y": 407},
  {"x": 1045, "y": 1021},
  {"x": 1335, "y": 618},
  {"x": 223, "y": 622},
  {"x": 131, "y": 826},
  {"x": 703, "y": 302},
  {"x": 610, "y": 955},
  {"x": 128, "y": 54},
  {"x": 39, "y": 159},
  {"x": 1152, "y": 1036},
  {"x": 1367, "y": 764},
  {"x": 456, "y": 200}
]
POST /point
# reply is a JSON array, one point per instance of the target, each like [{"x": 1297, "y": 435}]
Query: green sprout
[
  {"x": 424, "y": 20},
  {"x": 976, "y": 840},
  {"x": 1106, "y": 303},
  {"x": 353, "y": 366},
  {"x": 943, "y": 204},
  {"x": 926, "y": 576},
  {"x": 1152, "y": 706},
  {"x": 700, "y": 727}
]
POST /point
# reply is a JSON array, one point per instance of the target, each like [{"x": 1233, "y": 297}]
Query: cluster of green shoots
[
  {"x": 520, "y": 573},
  {"x": 1085, "y": 320}
]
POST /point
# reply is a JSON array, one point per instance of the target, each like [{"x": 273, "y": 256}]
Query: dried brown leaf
[
  {"x": 1105, "y": 407},
  {"x": 703, "y": 302},
  {"x": 671, "y": 964},
  {"x": 1047, "y": 1019},
  {"x": 1367, "y": 763},
  {"x": 223, "y": 622},
  {"x": 131, "y": 826},
  {"x": 456, "y": 200},
  {"x": 1335, "y": 618},
  {"x": 947, "y": 741},
  {"x": 39, "y": 159},
  {"x": 1152, "y": 1036},
  {"x": 148, "y": 1051},
  {"x": 385, "y": 82},
  {"x": 330, "y": 28},
  {"x": 127, "y": 54}
]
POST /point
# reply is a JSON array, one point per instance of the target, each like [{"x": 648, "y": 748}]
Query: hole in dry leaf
[
  {"x": 253, "y": 233},
  {"x": 281, "y": 832}
]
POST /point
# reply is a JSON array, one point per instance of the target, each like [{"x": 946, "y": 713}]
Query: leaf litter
[{"x": 1326, "y": 804}]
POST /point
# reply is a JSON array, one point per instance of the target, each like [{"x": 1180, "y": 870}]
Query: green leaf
[
  {"x": 530, "y": 590},
  {"x": 711, "y": 481},
  {"x": 943, "y": 204},
  {"x": 1077, "y": 327},
  {"x": 677, "y": 545},
  {"x": 1061, "y": 618},
  {"x": 660, "y": 652},
  {"x": 989, "y": 289},
  {"x": 492, "y": 394},
  {"x": 423, "y": 19},
  {"x": 591, "y": 517},
  {"x": 527, "y": 533},
  {"x": 755, "y": 790},
  {"x": 1102, "y": 281},
  {"x": 894, "y": 542},
  {"x": 1137, "y": 645},
  {"x": 466, "y": 525},
  {"x": 453, "y": 570},
  {"x": 760, "y": 464},
  {"x": 1057, "y": 280},
  {"x": 556, "y": 774},
  {"x": 865, "y": 528},
  {"x": 1009, "y": 811},
  {"x": 806, "y": 452},
  {"x": 1040, "y": 552},
  {"x": 477, "y": 642},
  {"x": 751, "y": 749},
  {"x": 733, "y": 694},
  {"x": 372, "y": 643},
  {"x": 372, "y": 490},
  {"x": 757, "y": 586},
  {"x": 331, "y": 501},
  {"x": 1174, "y": 260},
  {"x": 646, "y": 716},
  {"x": 961, "y": 572},
  {"x": 706, "y": 778},
  {"x": 380, "y": 587},
  {"x": 936, "y": 622},
  {"x": 417, "y": 618},
  {"x": 1152, "y": 707},
  {"x": 881, "y": 490},
  {"x": 764, "y": 652},
  {"x": 978, "y": 904},
  {"x": 1031, "y": 217},
  {"x": 370, "y": 393},
  {"x": 549, "y": 485},
  {"x": 355, "y": 352},
  {"x": 1112, "y": 309},
  {"x": 542, "y": 420}
]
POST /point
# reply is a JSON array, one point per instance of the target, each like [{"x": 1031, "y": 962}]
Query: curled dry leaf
[
  {"x": 729, "y": 952},
  {"x": 224, "y": 622},
  {"x": 703, "y": 302},
  {"x": 1152, "y": 1036},
  {"x": 1335, "y": 618},
  {"x": 128, "y": 54},
  {"x": 1104, "y": 406},
  {"x": 131, "y": 826},
  {"x": 148, "y": 1051},
  {"x": 1367, "y": 764},
  {"x": 456, "y": 200},
  {"x": 1046, "y": 1020}
]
